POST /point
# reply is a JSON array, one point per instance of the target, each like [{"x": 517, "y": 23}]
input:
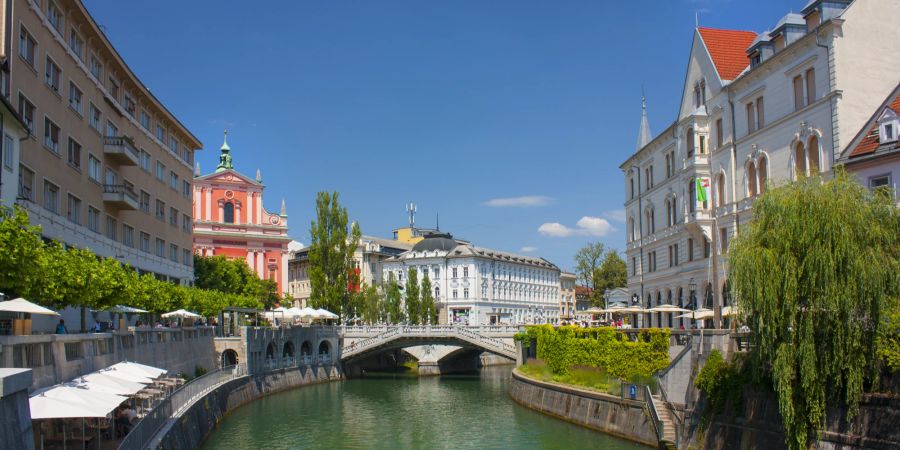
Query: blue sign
[{"x": 632, "y": 392}]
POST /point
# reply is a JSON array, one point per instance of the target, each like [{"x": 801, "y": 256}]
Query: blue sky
[{"x": 507, "y": 118}]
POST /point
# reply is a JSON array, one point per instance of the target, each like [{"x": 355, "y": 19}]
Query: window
[
  {"x": 145, "y": 160},
  {"x": 812, "y": 151},
  {"x": 112, "y": 228},
  {"x": 751, "y": 118},
  {"x": 51, "y": 197},
  {"x": 690, "y": 142},
  {"x": 810, "y": 86},
  {"x": 186, "y": 223},
  {"x": 719, "y": 136},
  {"x": 465, "y": 272},
  {"x": 633, "y": 265},
  {"x": 75, "y": 97},
  {"x": 114, "y": 88},
  {"x": 52, "y": 74},
  {"x": 702, "y": 144},
  {"x": 145, "y": 120},
  {"x": 723, "y": 239},
  {"x": 8, "y": 149},
  {"x": 161, "y": 133},
  {"x": 76, "y": 43},
  {"x": 228, "y": 212},
  {"x": 690, "y": 248},
  {"x": 706, "y": 248},
  {"x": 751, "y": 179},
  {"x": 720, "y": 190},
  {"x": 26, "y": 109},
  {"x": 27, "y": 46},
  {"x": 173, "y": 144},
  {"x": 128, "y": 235},
  {"x": 145, "y": 202},
  {"x": 51, "y": 135},
  {"x": 668, "y": 165},
  {"x": 798, "y": 92},
  {"x": 186, "y": 189},
  {"x": 631, "y": 180},
  {"x": 111, "y": 129},
  {"x": 186, "y": 257},
  {"x": 160, "y": 248},
  {"x": 760, "y": 113},
  {"x": 465, "y": 292},
  {"x": 74, "y": 154},
  {"x": 671, "y": 257},
  {"x": 173, "y": 179},
  {"x": 54, "y": 16},
  {"x": 112, "y": 178},
  {"x": 160, "y": 209},
  {"x": 93, "y": 219},
  {"x": 692, "y": 194},
  {"x": 129, "y": 104},
  {"x": 762, "y": 174},
  {"x": 96, "y": 67},
  {"x": 173, "y": 252},
  {"x": 880, "y": 181},
  {"x": 675, "y": 250},
  {"x": 454, "y": 272},
  {"x": 454, "y": 294},
  {"x": 26, "y": 183},
  {"x": 173, "y": 216},
  {"x": 94, "y": 117},
  {"x": 145, "y": 242},
  {"x": 160, "y": 171},
  {"x": 887, "y": 133},
  {"x": 800, "y": 160},
  {"x": 73, "y": 209}
]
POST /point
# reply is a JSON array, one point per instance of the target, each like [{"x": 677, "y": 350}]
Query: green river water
[{"x": 403, "y": 412}]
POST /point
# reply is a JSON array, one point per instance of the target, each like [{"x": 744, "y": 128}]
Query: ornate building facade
[
  {"x": 230, "y": 220},
  {"x": 757, "y": 110}
]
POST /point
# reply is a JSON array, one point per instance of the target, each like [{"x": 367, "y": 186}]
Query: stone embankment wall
[
  {"x": 15, "y": 422},
  {"x": 601, "y": 412},
  {"x": 201, "y": 418},
  {"x": 57, "y": 358}
]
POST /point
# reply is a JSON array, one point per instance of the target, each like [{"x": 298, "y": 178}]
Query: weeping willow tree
[{"x": 815, "y": 276}]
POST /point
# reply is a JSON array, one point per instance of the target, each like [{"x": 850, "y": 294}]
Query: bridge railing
[
  {"x": 378, "y": 329},
  {"x": 464, "y": 333}
]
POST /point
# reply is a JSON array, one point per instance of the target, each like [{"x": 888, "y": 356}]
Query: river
[{"x": 403, "y": 412}]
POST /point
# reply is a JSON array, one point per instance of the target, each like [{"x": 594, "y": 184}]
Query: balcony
[
  {"x": 120, "y": 149},
  {"x": 121, "y": 196}
]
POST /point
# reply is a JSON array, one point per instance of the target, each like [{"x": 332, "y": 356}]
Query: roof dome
[{"x": 435, "y": 241}]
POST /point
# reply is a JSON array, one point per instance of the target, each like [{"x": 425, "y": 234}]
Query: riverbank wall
[
  {"x": 201, "y": 418},
  {"x": 602, "y": 412}
]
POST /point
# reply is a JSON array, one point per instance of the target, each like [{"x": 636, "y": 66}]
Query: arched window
[
  {"x": 632, "y": 235},
  {"x": 800, "y": 160},
  {"x": 690, "y": 142},
  {"x": 751, "y": 179},
  {"x": 229, "y": 212},
  {"x": 720, "y": 190},
  {"x": 812, "y": 151},
  {"x": 692, "y": 194},
  {"x": 668, "y": 213},
  {"x": 763, "y": 174}
]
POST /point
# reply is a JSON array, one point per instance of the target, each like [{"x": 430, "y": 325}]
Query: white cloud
[
  {"x": 586, "y": 226},
  {"x": 528, "y": 249},
  {"x": 523, "y": 201},
  {"x": 616, "y": 214}
]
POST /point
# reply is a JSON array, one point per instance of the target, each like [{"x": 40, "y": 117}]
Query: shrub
[
  {"x": 721, "y": 381},
  {"x": 199, "y": 371}
]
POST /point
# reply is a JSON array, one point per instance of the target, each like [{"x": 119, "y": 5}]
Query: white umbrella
[
  {"x": 43, "y": 407},
  {"x": 83, "y": 394},
  {"x": 699, "y": 314},
  {"x": 325, "y": 314},
  {"x": 110, "y": 384},
  {"x": 729, "y": 311},
  {"x": 667, "y": 309},
  {"x": 125, "y": 309},
  {"x": 181, "y": 313},
  {"x": 595, "y": 311},
  {"x": 20, "y": 305},
  {"x": 309, "y": 313},
  {"x": 294, "y": 312},
  {"x": 139, "y": 369}
]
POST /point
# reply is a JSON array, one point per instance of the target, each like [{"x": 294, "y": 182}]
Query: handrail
[
  {"x": 654, "y": 414},
  {"x": 176, "y": 403}
]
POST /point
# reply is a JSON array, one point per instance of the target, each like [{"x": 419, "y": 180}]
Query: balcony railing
[
  {"x": 122, "y": 150},
  {"x": 121, "y": 196}
]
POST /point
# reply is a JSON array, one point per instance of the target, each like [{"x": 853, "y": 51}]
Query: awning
[
  {"x": 110, "y": 384},
  {"x": 20, "y": 305},
  {"x": 81, "y": 398},
  {"x": 140, "y": 370},
  {"x": 43, "y": 407}
]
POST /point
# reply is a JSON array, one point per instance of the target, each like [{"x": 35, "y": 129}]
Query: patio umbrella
[
  {"x": 20, "y": 305},
  {"x": 44, "y": 407},
  {"x": 325, "y": 314},
  {"x": 181, "y": 313},
  {"x": 82, "y": 394},
  {"x": 110, "y": 384},
  {"x": 122, "y": 309},
  {"x": 309, "y": 313},
  {"x": 699, "y": 314},
  {"x": 137, "y": 369},
  {"x": 666, "y": 309},
  {"x": 729, "y": 311},
  {"x": 595, "y": 311}
]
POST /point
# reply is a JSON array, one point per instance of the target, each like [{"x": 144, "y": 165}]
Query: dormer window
[
  {"x": 888, "y": 126},
  {"x": 755, "y": 59}
]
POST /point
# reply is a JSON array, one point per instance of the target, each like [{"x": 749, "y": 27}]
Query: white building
[
  {"x": 12, "y": 131},
  {"x": 480, "y": 286},
  {"x": 757, "y": 109}
]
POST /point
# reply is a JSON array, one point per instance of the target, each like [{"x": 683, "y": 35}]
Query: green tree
[
  {"x": 233, "y": 276},
  {"x": 611, "y": 274},
  {"x": 331, "y": 249},
  {"x": 587, "y": 261},
  {"x": 372, "y": 305},
  {"x": 814, "y": 273},
  {"x": 413, "y": 303},
  {"x": 22, "y": 262},
  {"x": 429, "y": 311},
  {"x": 392, "y": 300}
]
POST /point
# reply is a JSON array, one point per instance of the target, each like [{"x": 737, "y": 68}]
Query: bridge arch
[
  {"x": 288, "y": 350},
  {"x": 270, "y": 350},
  {"x": 229, "y": 358},
  {"x": 324, "y": 348},
  {"x": 306, "y": 349},
  {"x": 410, "y": 336}
]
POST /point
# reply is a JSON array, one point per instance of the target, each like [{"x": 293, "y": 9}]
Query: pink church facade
[{"x": 230, "y": 220}]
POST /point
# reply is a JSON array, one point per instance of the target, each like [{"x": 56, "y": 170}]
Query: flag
[{"x": 702, "y": 184}]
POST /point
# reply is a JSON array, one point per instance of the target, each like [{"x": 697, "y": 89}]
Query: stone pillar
[
  {"x": 15, "y": 428},
  {"x": 249, "y": 208},
  {"x": 208, "y": 204}
]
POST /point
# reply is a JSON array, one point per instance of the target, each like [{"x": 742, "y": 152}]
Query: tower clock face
[{"x": 274, "y": 221}]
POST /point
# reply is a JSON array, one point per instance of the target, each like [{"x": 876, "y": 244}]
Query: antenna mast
[{"x": 411, "y": 210}]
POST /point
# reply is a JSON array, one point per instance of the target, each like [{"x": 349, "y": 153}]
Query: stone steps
[{"x": 668, "y": 423}]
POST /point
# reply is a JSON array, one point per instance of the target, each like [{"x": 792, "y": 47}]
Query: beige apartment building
[{"x": 106, "y": 166}]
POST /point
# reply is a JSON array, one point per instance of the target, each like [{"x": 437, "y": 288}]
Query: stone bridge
[{"x": 364, "y": 341}]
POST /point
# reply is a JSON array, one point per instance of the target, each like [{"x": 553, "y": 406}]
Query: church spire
[
  {"x": 283, "y": 208},
  {"x": 644, "y": 135},
  {"x": 225, "y": 157}
]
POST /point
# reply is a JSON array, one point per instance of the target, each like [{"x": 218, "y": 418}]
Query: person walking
[{"x": 61, "y": 327}]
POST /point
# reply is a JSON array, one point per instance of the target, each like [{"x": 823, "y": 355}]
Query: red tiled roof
[
  {"x": 583, "y": 290},
  {"x": 870, "y": 142},
  {"x": 728, "y": 49}
]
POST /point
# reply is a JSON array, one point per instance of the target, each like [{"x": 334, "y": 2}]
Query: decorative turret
[
  {"x": 197, "y": 169},
  {"x": 225, "y": 157},
  {"x": 644, "y": 136},
  {"x": 283, "y": 208},
  {"x": 258, "y": 176}
]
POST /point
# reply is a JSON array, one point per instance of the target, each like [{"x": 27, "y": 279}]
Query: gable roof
[
  {"x": 728, "y": 50},
  {"x": 236, "y": 177},
  {"x": 867, "y": 140}
]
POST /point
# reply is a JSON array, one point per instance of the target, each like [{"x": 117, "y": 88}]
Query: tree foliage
[
  {"x": 412, "y": 301},
  {"x": 51, "y": 275},
  {"x": 587, "y": 261},
  {"x": 373, "y": 305},
  {"x": 814, "y": 273},
  {"x": 331, "y": 249},
  {"x": 233, "y": 276},
  {"x": 611, "y": 274},
  {"x": 392, "y": 301},
  {"x": 429, "y": 309}
]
